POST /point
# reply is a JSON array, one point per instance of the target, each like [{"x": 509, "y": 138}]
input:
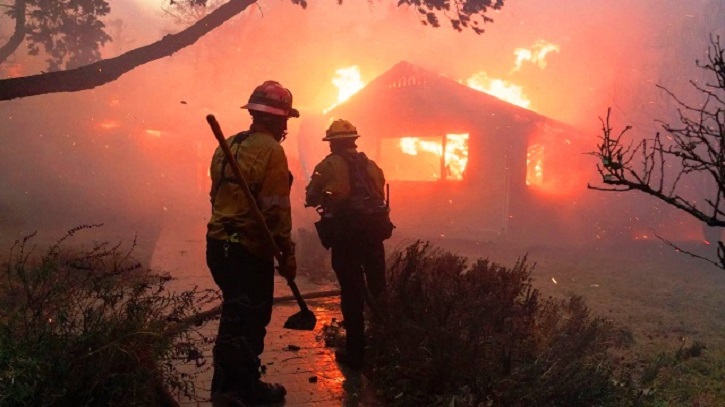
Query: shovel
[{"x": 304, "y": 320}]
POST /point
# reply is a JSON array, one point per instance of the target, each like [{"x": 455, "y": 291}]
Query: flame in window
[
  {"x": 348, "y": 82},
  {"x": 535, "y": 165},
  {"x": 456, "y": 152},
  {"x": 499, "y": 88}
]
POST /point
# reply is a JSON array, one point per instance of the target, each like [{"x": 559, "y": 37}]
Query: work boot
[
  {"x": 352, "y": 360},
  {"x": 263, "y": 393}
]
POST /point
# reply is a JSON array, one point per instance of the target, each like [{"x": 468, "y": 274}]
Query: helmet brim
[
  {"x": 347, "y": 136},
  {"x": 272, "y": 110}
]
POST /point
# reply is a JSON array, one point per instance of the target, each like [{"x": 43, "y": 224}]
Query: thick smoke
[{"x": 133, "y": 154}]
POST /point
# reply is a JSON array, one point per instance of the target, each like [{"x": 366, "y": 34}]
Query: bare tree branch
[
  {"x": 18, "y": 34},
  {"x": 108, "y": 70},
  {"x": 692, "y": 152},
  {"x": 720, "y": 253}
]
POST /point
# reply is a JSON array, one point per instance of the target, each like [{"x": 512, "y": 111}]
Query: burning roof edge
[{"x": 405, "y": 74}]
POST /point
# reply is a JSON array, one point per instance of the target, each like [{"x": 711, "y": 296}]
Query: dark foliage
[
  {"x": 74, "y": 38},
  {"x": 483, "y": 335},
  {"x": 90, "y": 327},
  {"x": 462, "y": 14},
  {"x": 69, "y": 32}
]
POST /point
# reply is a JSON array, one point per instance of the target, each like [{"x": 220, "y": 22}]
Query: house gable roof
[{"x": 415, "y": 99}]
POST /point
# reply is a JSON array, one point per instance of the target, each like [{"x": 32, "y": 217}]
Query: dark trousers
[
  {"x": 356, "y": 261},
  {"x": 247, "y": 285}
]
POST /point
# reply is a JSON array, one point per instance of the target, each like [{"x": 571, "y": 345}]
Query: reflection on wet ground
[
  {"x": 297, "y": 359},
  {"x": 301, "y": 362}
]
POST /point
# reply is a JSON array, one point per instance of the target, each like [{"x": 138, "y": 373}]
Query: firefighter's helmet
[
  {"x": 340, "y": 129},
  {"x": 271, "y": 97}
]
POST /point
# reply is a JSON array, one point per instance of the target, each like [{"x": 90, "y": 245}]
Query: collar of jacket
[
  {"x": 260, "y": 128},
  {"x": 351, "y": 152}
]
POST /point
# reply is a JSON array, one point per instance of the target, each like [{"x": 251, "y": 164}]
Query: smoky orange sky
[{"x": 608, "y": 54}]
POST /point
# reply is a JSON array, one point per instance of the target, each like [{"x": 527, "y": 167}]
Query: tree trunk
[
  {"x": 108, "y": 70},
  {"x": 19, "y": 33}
]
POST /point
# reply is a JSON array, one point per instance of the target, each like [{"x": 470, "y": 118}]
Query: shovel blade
[{"x": 301, "y": 321}]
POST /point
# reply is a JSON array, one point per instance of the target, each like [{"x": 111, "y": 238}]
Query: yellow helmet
[{"x": 340, "y": 129}]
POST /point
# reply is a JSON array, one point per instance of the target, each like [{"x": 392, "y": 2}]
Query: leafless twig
[{"x": 690, "y": 152}]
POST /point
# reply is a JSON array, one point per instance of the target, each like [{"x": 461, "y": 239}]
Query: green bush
[
  {"x": 81, "y": 327},
  {"x": 458, "y": 334}
]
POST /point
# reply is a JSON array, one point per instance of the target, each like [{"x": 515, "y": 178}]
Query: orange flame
[
  {"x": 456, "y": 152},
  {"x": 348, "y": 82},
  {"x": 535, "y": 165},
  {"x": 536, "y": 55},
  {"x": 499, "y": 88}
]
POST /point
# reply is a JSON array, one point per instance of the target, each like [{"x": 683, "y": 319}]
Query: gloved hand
[{"x": 288, "y": 268}]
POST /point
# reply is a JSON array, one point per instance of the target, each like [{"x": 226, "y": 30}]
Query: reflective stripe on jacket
[
  {"x": 329, "y": 185},
  {"x": 264, "y": 167}
]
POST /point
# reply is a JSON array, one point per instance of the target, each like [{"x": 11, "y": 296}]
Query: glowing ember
[
  {"x": 109, "y": 124},
  {"x": 499, "y": 88},
  {"x": 456, "y": 152},
  {"x": 535, "y": 165},
  {"x": 14, "y": 70},
  {"x": 348, "y": 82},
  {"x": 536, "y": 55}
]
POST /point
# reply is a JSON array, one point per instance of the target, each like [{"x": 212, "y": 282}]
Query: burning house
[{"x": 460, "y": 162}]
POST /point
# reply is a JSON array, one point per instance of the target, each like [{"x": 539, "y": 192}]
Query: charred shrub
[
  {"x": 481, "y": 334},
  {"x": 91, "y": 327}
]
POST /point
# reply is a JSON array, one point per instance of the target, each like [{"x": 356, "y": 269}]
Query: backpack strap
[
  {"x": 358, "y": 175},
  {"x": 361, "y": 193},
  {"x": 369, "y": 214},
  {"x": 238, "y": 139}
]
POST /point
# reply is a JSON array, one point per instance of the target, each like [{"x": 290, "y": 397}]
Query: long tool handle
[{"x": 219, "y": 135}]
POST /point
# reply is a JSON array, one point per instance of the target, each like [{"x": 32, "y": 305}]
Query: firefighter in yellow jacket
[
  {"x": 240, "y": 262},
  {"x": 347, "y": 189}
]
